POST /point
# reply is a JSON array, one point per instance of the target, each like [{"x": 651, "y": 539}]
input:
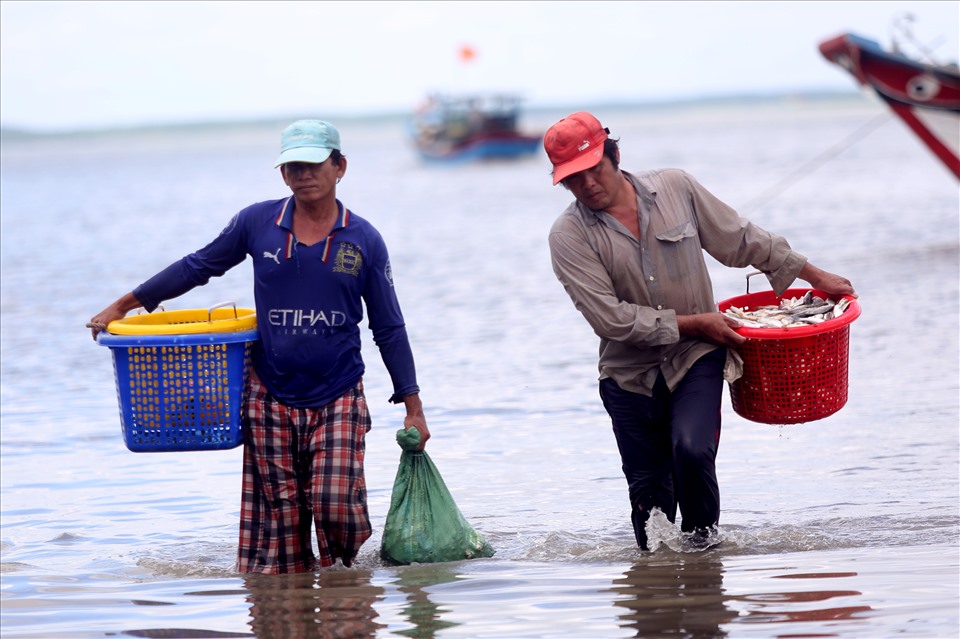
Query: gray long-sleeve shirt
[{"x": 631, "y": 291}]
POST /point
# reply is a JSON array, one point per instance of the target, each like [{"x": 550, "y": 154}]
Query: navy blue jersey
[{"x": 309, "y": 301}]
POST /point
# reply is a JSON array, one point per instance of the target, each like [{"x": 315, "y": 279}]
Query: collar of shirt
[
  {"x": 285, "y": 221},
  {"x": 646, "y": 193}
]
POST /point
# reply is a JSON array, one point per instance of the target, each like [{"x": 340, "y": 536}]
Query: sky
[{"x": 87, "y": 65}]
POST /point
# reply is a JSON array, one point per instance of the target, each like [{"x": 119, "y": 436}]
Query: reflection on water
[
  {"x": 771, "y": 607},
  {"x": 686, "y": 597},
  {"x": 183, "y": 633},
  {"x": 343, "y": 603},
  {"x": 328, "y": 605},
  {"x": 678, "y": 598},
  {"x": 671, "y": 595},
  {"x": 425, "y": 616},
  {"x": 817, "y": 614}
]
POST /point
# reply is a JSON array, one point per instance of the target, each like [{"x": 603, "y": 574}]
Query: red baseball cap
[{"x": 574, "y": 144}]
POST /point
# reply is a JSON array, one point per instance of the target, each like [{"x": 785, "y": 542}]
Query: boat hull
[
  {"x": 482, "y": 149},
  {"x": 466, "y": 128},
  {"x": 925, "y": 97}
]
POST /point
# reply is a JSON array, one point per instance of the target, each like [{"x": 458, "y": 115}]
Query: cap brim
[
  {"x": 581, "y": 163},
  {"x": 310, "y": 154}
]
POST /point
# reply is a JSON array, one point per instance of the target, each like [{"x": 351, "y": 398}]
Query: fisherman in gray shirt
[{"x": 629, "y": 252}]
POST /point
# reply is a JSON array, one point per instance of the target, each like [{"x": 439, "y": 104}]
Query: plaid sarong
[{"x": 302, "y": 467}]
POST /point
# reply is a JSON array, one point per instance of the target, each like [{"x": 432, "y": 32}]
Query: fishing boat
[
  {"x": 469, "y": 128},
  {"x": 923, "y": 94}
]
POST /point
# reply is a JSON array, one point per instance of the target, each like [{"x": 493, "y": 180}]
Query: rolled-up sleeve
[{"x": 736, "y": 242}]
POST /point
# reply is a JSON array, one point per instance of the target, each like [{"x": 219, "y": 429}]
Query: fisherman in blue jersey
[{"x": 315, "y": 266}]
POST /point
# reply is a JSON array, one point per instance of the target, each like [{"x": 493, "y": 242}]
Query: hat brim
[
  {"x": 587, "y": 160},
  {"x": 309, "y": 154}
]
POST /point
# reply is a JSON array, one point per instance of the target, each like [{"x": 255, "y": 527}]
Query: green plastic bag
[{"x": 424, "y": 524}]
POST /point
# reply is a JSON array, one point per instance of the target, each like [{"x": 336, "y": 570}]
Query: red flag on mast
[{"x": 467, "y": 53}]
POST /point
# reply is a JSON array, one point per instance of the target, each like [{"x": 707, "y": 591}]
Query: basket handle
[
  {"x": 222, "y": 305},
  {"x": 749, "y": 275}
]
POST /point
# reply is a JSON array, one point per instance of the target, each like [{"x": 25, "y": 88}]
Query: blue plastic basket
[{"x": 181, "y": 392}]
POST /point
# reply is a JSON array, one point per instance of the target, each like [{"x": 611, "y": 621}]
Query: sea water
[{"x": 843, "y": 527}]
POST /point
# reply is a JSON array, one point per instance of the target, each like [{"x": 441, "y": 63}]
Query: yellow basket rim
[{"x": 186, "y": 322}]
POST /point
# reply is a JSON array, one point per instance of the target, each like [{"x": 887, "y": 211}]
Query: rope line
[{"x": 815, "y": 163}]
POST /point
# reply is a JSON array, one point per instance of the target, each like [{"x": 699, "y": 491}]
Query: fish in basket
[{"x": 795, "y": 358}]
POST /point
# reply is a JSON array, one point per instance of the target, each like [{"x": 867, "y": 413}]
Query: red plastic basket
[{"x": 791, "y": 375}]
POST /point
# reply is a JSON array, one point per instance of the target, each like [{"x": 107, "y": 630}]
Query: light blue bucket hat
[{"x": 308, "y": 141}]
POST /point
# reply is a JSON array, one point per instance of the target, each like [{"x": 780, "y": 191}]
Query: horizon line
[{"x": 24, "y": 132}]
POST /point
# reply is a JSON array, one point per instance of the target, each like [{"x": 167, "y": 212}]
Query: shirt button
[
  {"x": 651, "y": 278},
  {"x": 659, "y": 307}
]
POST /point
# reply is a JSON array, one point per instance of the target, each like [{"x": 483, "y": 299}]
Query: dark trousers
[{"x": 668, "y": 445}]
